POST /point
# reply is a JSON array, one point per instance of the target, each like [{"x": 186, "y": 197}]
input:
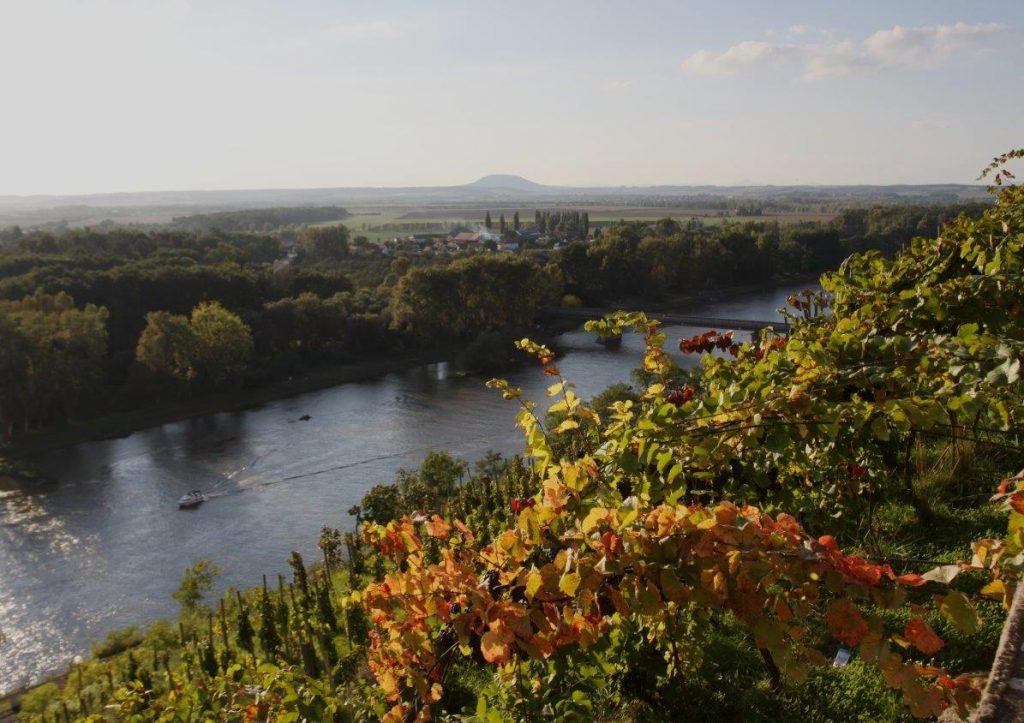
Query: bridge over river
[{"x": 704, "y": 322}]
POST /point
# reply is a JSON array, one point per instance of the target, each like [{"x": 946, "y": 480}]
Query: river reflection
[{"x": 102, "y": 545}]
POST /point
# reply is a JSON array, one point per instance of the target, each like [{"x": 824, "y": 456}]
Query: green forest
[
  {"x": 698, "y": 545},
  {"x": 128, "y": 317}
]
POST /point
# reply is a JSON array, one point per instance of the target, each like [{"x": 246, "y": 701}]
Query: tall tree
[
  {"x": 50, "y": 351},
  {"x": 515, "y": 221},
  {"x": 487, "y": 221},
  {"x": 213, "y": 347},
  {"x": 224, "y": 343},
  {"x": 165, "y": 345},
  {"x": 325, "y": 242}
]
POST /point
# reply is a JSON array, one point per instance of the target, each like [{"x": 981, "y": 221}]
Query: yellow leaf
[
  {"x": 995, "y": 589},
  {"x": 534, "y": 580},
  {"x": 556, "y": 389},
  {"x": 593, "y": 519},
  {"x": 567, "y": 425},
  {"x": 569, "y": 582}
]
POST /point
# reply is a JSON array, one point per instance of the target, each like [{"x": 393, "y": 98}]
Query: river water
[{"x": 101, "y": 544}]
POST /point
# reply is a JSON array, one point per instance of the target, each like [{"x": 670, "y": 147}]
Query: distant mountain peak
[{"x": 505, "y": 180}]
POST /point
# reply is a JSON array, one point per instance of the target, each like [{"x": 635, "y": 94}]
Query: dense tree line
[
  {"x": 471, "y": 295},
  {"x": 133, "y": 273},
  {"x": 260, "y": 219},
  {"x": 296, "y": 332},
  {"x": 566, "y": 225},
  {"x": 150, "y": 293},
  {"x": 50, "y": 352},
  {"x": 652, "y": 260},
  {"x": 184, "y": 313},
  {"x": 126, "y": 243}
]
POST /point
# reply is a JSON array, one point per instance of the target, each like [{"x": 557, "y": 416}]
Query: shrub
[
  {"x": 117, "y": 641},
  {"x": 36, "y": 701}
]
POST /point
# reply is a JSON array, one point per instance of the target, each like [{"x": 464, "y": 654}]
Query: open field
[{"x": 385, "y": 223}]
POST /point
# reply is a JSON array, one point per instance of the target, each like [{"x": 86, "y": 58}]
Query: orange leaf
[
  {"x": 494, "y": 647},
  {"x": 437, "y": 527},
  {"x": 829, "y": 543},
  {"x": 923, "y": 637},
  {"x": 612, "y": 543},
  {"x": 845, "y": 622},
  {"x": 911, "y": 579},
  {"x": 466, "y": 532}
]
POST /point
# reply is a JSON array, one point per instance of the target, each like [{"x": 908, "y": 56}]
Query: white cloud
[
  {"x": 374, "y": 30},
  {"x": 893, "y": 48},
  {"x": 925, "y": 45},
  {"x": 743, "y": 56}
]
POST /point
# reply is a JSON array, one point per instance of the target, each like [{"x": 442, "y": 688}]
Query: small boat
[{"x": 192, "y": 499}]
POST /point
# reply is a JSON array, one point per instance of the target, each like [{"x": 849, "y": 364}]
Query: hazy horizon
[
  {"x": 171, "y": 95},
  {"x": 596, "y": 186}
]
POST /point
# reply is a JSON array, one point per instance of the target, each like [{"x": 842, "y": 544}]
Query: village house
[{"x": 465, "y": 239}]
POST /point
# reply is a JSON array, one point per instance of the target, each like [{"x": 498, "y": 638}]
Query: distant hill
[{"x": 505, "y": 181}]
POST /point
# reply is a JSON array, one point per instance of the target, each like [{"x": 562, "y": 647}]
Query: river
[{"x": 102, "y": 545}]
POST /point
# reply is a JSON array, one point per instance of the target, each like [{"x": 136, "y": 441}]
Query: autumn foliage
[{"x": 675, "y": 508}]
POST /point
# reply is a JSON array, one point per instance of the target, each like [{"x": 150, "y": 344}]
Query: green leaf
[
  {"x": 768, "y": 633},
  {"x": 959, "y": 611},
  {"x": 880, "y": 429}
]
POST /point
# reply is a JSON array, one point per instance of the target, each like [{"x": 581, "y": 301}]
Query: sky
[{"x": 147, "y": 95}]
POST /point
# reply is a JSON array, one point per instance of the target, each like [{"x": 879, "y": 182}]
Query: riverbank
[{"x": 122, "y": 424}]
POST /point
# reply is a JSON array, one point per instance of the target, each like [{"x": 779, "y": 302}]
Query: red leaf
[
  {"x": 923, "y": 637},
  {"x": 845, "y": 622}
]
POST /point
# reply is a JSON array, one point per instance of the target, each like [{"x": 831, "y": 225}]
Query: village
[{"x": 549, "y": 231}]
